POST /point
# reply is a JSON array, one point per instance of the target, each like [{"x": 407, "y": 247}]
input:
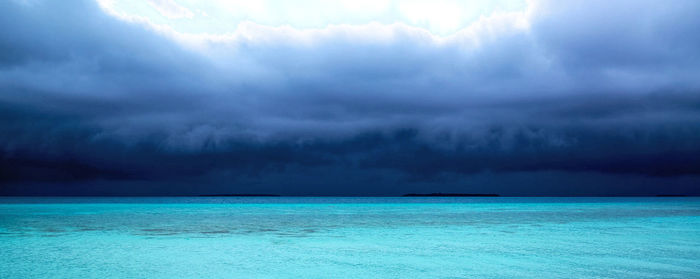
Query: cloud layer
[{"x": 563, "y": 98}]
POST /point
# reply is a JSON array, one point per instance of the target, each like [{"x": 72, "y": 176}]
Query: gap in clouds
[{"x": 221, "y": 17}]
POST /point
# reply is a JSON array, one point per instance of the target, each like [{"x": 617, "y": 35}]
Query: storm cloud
[{"x": 564, "y": 98}]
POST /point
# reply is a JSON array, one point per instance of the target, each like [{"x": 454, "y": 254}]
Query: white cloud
[
  {"x": 472, "y": 35},
  {"x": 441, "y": 17},
  {"x": 170, "y": 9},
  {"x": 366, "y": 6}
]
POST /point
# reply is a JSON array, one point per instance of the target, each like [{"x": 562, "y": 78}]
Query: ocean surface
[{"x": 296, "y": 237}]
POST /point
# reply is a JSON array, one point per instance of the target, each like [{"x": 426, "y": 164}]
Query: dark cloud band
[{"x": 87, "y": 99}]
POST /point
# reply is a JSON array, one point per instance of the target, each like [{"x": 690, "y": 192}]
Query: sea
[{"x": 349, "y": 237}]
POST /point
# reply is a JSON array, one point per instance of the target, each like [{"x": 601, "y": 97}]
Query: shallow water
[{"x": 281, "y": 237}]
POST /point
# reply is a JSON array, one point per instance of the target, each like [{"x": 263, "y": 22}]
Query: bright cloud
[
  {"x": 170, "y": 9},
  {"x": 442, "y": 18}
]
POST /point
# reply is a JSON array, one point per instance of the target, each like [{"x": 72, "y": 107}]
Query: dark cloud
[{"x": 588, "y": 100}]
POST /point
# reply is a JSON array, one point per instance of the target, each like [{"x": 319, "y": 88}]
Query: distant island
[
  {"x": 450, "y": 195},
  {"x": 240, "y": 195}
]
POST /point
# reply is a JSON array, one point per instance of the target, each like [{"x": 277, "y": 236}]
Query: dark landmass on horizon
[
  {"x": 436, "y": 194},
  {"x": 450, "y": 195},
  {"x": 240, "y": 195},
  {"x": 352, "y": 196}
]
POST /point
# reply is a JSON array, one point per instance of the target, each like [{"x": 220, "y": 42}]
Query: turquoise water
[{"x": 349, "y": 237}]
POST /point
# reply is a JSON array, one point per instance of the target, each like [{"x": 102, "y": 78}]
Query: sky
[{"x": 361, "y": 98}]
